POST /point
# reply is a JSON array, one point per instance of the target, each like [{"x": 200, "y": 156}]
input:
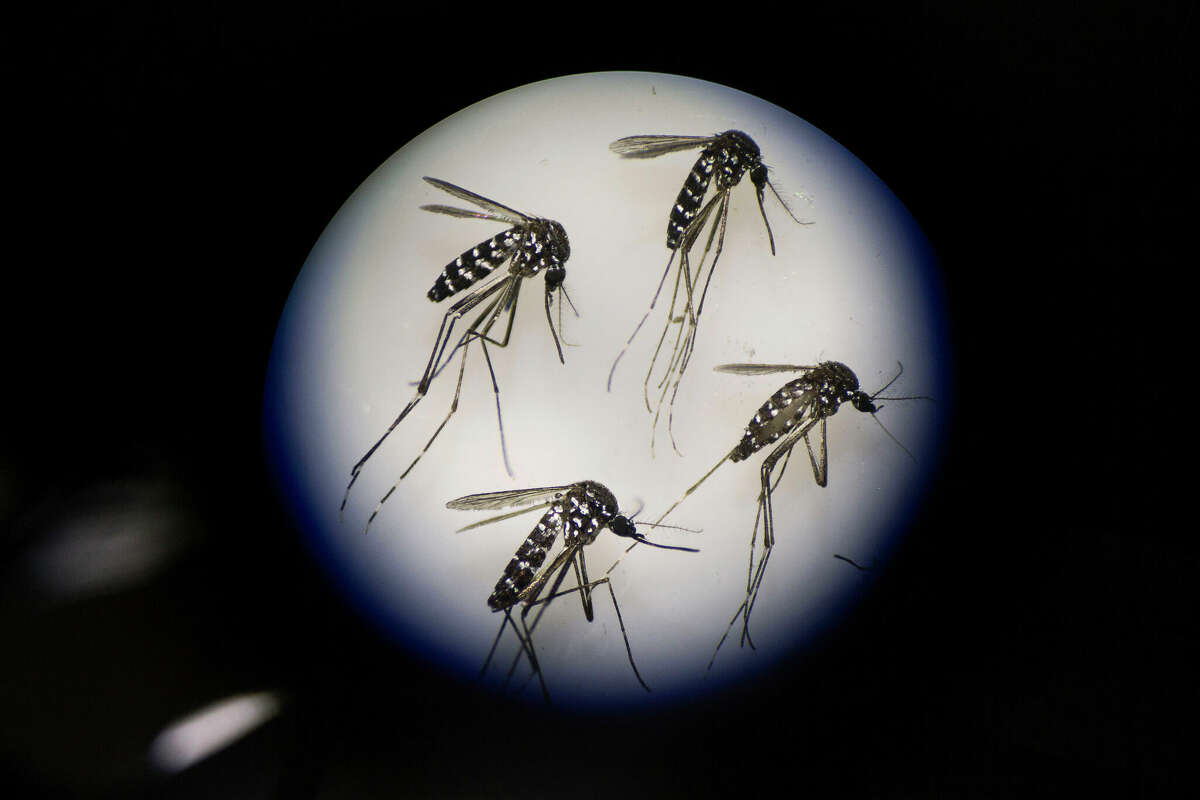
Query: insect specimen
[
  {"x": 532, "y": 245},
  {"x": 726, "y": 156},
  {"x": 798, "y": 411},
  {"x": 578, "y": 511}
]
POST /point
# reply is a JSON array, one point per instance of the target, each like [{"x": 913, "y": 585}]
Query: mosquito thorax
[
  {"x": 736, "y": 152},
  {"x": 559, "y": 243}
]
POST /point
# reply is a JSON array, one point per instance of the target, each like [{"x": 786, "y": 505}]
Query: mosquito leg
[
  {"x": 753, "y": 598},
  {"x": 662, "y": 338},
  {"x": 495, "y": 642},
  {"x": 820, "y": 463},
  {"x": 455, "y": 313},
  {"x": 499, "y": 419},
  {"x": 585, "y": 592},
  {"x": 767, "y": 514},
  {"x": 645, "y": 316},
  {"x": 624, "y": 635},
  {"x": 695, "y": 486},
  {"x": 722, "y": 221},
  {"x": 585, "y": 588},
  {"x": 503, "y": 304},
  {"x": 453, "y": 407},
  {"x": 725, "y": 635}
]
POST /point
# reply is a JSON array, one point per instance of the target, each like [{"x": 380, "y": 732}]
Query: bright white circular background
[{"x": 856, "y": 286}]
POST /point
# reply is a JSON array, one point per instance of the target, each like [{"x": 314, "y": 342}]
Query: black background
[{"x": 175, "y": 167}]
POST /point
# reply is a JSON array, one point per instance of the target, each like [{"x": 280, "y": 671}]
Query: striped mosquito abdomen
[
  {"x": 780, "y": 415},
  {"x": 475, "y": 264},
  {"x": 580, "y": 513},
  {"x": 687, "y": 204},
  {"x": 529, "y": 558}
]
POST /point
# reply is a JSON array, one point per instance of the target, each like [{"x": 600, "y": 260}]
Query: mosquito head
[
  {"x": 758, "y": 176},
  {"x": 554, "y": 278},
  {"x": 863, "y": 402},
  {"x": 623, "y": 526}
]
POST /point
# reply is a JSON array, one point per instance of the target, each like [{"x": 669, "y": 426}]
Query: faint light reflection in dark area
[
  {"x": 200, "y": 734},
  {"x": 115, "y": 537},
  {"x": 127, "y": 614}
]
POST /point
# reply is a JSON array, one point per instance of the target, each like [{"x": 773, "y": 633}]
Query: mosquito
[
  {"x": 532, "y": 245},
  {"x": 798, "y": 411},
  {"x": 579, "y": 511},
  {"x": 727, "y": 156}
]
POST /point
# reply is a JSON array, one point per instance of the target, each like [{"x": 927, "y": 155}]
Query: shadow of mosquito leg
[
  {"x": 495, "y": 643},
  {"x": 449, "y": 414},
  {"x": 752, "y": 598},
  {"x": 527, "y": 645},
  {"x": 854, "y": 563},
  {"x": 645, "y": 317}
]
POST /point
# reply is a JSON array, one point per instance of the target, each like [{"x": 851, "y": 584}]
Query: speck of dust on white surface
[{"x": 357, "y": 332}]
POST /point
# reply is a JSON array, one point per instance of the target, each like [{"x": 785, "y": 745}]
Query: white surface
[{"x": 358, "y": 329}]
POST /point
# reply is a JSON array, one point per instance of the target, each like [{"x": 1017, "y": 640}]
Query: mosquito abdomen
[
  {"x": 687, "y": 204},
  {"x": 523, "y": 566},
  {"x": 780, "y": 415},
  {"x": 473, "y": 265}
]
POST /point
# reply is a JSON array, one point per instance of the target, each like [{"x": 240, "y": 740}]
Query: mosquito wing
[
  {"x": 494, "y": 210},
  {"x": 509, "y": 499},
  {"x": 653, "y": 146},
  {"x": 760, "y": 369}
]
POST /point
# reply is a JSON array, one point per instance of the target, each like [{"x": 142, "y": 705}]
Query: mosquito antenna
[
  {"x": 641, "y": 505},
  {"x": 672, "y": 527},
  {"x": 893, "y": 438},
  {"x": 895, "y": 377},
  {"x": 783, "y": 203},
  {"x": 563, "y": 290}
]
